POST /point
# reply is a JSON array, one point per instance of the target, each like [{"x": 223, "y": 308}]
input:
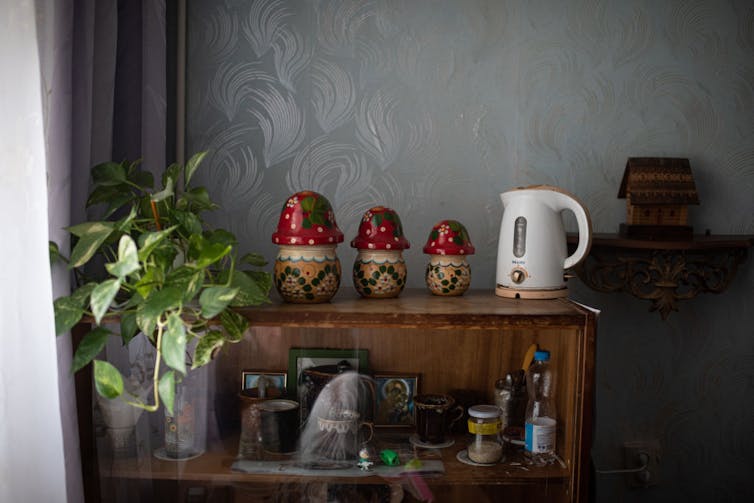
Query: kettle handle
[{"x": 569, "y": 202}]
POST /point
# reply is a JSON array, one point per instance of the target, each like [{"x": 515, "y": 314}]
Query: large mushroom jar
[
  {"x": 307, "y": 270},
  {"x": 379, "y": 271},
  {"x": 448, "y": 272}
]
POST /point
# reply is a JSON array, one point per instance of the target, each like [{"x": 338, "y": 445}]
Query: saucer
[
  {"x": 162, "y": 454},
  {"x": 415, "y": 440},
  {"x": 463, "y": 457}
]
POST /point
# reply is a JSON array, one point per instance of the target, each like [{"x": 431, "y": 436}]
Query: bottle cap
[
  {"x": 542, "y": 356},
  {"x": 485, "y": 411}
]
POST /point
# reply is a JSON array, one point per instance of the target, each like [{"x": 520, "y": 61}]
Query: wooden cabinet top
[{"x": 417, "y": 308}]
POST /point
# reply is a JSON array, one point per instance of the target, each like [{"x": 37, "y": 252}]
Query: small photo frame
[
  {"x": 300, "y": 359},
  {"x": 395, "y": 394},
  {"x": 278, "y": 378}
]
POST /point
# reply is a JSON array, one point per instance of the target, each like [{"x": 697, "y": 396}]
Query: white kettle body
[{"x": 532, "y": 251}]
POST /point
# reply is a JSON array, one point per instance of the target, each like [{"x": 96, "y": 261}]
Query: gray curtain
[{"x": 103, "y": 67}]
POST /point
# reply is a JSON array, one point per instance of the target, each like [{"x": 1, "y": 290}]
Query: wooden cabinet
[{"x": 459, "y": 345}]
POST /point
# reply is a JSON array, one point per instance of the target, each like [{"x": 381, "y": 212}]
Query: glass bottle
[{"x": 541, "y": 419}]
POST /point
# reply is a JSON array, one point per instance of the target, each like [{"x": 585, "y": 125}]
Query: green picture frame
[{"x": 300, "y": 359}]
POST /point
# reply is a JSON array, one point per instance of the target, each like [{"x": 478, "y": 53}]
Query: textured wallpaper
[{"x": 434, "y": 107}]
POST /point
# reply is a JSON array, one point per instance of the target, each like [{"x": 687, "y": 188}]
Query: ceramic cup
[
  {"x": 279, "y": 425},
  {"x": 339, "y": 435},
  {"x": 435, "y": 416}
]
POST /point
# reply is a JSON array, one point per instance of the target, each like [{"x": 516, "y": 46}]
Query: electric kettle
[{"x": 532, "y": 250}]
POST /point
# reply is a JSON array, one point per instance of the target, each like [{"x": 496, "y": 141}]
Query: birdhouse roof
[{"x": 658, "y": 180}]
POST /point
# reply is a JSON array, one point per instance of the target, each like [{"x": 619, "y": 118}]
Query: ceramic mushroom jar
[
  {"x": 448, "y": 273},
  {"x": 307, "y": 270},
  {"x": 379, "y": 271}
]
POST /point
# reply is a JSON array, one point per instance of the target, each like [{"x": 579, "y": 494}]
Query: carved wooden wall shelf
[{"x": 664, "y": 272}]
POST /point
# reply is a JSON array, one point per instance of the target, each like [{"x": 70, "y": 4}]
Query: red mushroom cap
[
  {"x": 449, "y": 237},
  {"x": 307, "y": 219},
  {"x": 380, "y": 229}
]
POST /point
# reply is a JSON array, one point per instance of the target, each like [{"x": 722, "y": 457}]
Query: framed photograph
[
  {"x": 300, "y": 359},
  {"x": 275, "y": 378},
  {"x": 395, "y": 394}
]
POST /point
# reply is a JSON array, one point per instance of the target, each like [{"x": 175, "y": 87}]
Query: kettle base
[{"x": 513, "y": 293}]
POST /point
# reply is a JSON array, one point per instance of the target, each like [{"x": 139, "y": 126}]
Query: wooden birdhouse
[{"x": 658, "y": 191}]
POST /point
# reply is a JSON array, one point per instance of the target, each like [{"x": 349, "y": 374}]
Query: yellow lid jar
[{"x": 486, "y": 446}]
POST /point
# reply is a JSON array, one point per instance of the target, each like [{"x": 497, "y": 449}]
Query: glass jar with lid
[{"x": 485, "y": 446}]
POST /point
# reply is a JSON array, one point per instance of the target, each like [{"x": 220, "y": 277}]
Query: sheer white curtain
[
  {"x": 61, "y": 111},
  {"x": 32, "y": 466}
]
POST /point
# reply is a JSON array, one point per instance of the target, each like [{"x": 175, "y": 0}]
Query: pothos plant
[{"x": 153, "y": 266}]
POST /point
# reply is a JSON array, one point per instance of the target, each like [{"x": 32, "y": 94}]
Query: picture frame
[
  {"x": 300, "y": 359},
  {"x": 249, "y": 379},
  {"x": 394, "y": 398}
]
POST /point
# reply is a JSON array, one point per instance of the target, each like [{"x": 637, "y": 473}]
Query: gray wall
[{"x": 435, "y": 107}]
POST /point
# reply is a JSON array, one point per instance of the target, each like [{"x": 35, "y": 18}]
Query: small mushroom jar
[
  {"x": 379, "y": 271},
  {"x": 307, "y": 270},
  {"x": 448, "y": 273}
]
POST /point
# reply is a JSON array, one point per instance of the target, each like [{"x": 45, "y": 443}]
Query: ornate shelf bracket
[{"x": 664, "y": 273}]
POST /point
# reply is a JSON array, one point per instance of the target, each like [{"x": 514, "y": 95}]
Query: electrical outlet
[{"x": 635, "y": 454}]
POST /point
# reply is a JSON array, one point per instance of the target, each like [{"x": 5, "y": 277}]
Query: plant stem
[
  {"x": 156, "y": 215},
  {"x": 155, "y": 376}
]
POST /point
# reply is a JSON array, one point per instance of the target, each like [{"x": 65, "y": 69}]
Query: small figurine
[
  {"x": 389, "y": 457},
  {"x": 379, "y": 271},
  {"x": 364, "y": 460},
  {"x": 448, "y": 272}
]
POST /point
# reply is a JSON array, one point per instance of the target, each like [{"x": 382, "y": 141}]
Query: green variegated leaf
[
  {"x": 91, "y": 236},
  {"x": 161, "y": 301},
  {"x": 174, "y": 343},
  {"x": 206, "y": 347},
  {"x": 128, "y": 259},
  {"x": 102, "y": 296},
  {"x": 255, "y": 259},
  {"x": 189, "y": 223},
  {"x": 68, "y": 312},
  {"x": 150, "y": 240},
  {"x": 205, "y": 253},
  {"x": 215, "y": 299},
  {"x": 128, "y": 327},
  {"x": 234, "y": 324},
  {"x": 109, "y": 173},
  {"x": 192, "y": 165},
  {"x": 107, "y": 380},
  {"x": 254, "y": 288},
  {"x": 166, "y": 388},
  {"x": 221, "y": 236},
  {"x": 89, "y": 347},
  {"x": 82, "y": 293}
]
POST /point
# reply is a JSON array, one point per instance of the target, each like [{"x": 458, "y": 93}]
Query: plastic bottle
[{"x": 541, "y": 420}]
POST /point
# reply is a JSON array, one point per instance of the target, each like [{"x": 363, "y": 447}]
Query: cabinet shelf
[{"x": 458, "y": 345}]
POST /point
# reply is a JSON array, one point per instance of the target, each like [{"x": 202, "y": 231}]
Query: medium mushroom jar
[
  {"x": 307, "y": 270},
  {"x": 379, "y": 271},
  {"x": 448, "y": 273}
]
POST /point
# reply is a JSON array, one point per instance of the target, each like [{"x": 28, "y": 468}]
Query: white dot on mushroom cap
[
  {"x": 287, "y": 216},
  {"x": 370, "y": 245},
  {"x": 462, "y": 252},
  {"x": 311, "y": 241},
  {"x": 331, "y": 239},
  {"x": 293, "y": 226},
  {"x": 368, "y": 232},
  {"x": 382, "y": 229},
  {"x": 433, "y": 243},
  {"x": 293, "y": 240},
  {"x": 320, "y": 229},
  {"x": 395, "y": 238},
  {"x": 277, "y": 240},
  {"x": 388, "y": 246}
]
